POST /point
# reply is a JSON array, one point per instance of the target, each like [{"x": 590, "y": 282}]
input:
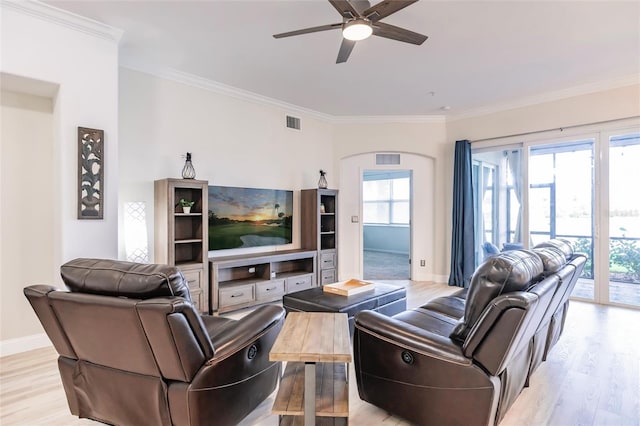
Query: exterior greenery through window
[{"x": 386, "y": 201}]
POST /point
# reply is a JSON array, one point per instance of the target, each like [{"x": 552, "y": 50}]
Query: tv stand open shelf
[{"x": 246, "y": 280}]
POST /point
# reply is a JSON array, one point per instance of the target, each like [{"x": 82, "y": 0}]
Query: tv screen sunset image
[{"x": 249, "y": 217}]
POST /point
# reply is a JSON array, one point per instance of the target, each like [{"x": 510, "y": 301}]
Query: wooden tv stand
[{"x": 246, "y": 280}]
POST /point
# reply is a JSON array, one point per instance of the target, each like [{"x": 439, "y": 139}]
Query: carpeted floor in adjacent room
[{"x": 386, "y": 266}]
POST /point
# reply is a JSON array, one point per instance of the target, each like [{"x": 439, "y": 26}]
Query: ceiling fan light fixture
[{"x": 357, "y": 29}]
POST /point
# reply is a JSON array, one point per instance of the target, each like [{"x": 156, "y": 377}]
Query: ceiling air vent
[
  {"x": 293, "y": 122},
  {"x": 386, "y": 159}
]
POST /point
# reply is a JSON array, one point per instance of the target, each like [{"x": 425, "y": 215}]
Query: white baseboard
[
  {"x": 443, "y": 279},
  {"x": 23, "y": 344}
]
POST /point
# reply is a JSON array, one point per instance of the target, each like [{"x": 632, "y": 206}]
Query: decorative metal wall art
[{"x": 90, "y": 173}]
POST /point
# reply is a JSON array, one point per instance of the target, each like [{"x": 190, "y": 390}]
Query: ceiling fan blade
[
  {"x": 381, "y": 29},
  {"x": 309, "y": 30},
  {"x": 360, "y": 5},
  {"x": 385, "y": 8},
  {"x": 345, "y": 8},
  {"x": 345, "y": 50}
]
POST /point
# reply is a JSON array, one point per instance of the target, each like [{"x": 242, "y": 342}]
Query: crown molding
[
  {"x": 62, "y": 17},
  {"x": 386, "y": 119},
  {"x": 223, "y": 89},
  {"x": 570, "y": 92}
]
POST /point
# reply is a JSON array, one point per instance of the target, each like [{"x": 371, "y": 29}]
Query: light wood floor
[{"x": 592, "y": 377}]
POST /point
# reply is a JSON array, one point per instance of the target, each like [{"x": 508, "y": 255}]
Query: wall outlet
[
  {"x": 423, "y": 262},
  {"x": 252, "y": 270},
  {"x": 355, "y": 219}
]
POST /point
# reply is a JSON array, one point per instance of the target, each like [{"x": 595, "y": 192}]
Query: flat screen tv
[{"x": 249, "y": 217}]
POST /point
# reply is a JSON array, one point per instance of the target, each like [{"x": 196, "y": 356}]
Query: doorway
[{"x": 386, "y": 224}]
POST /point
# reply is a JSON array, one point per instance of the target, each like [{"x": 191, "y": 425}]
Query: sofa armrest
[
  {"x": 237, "y": 336},
  {"x": 410, "y": 337},
  {"x": 39, "y": 290},
  {"x": 38, "y": 296},
  {"x": 242, "y": 350}
]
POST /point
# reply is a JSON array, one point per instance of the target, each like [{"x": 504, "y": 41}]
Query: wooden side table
[{"x": 316, "y": 347}]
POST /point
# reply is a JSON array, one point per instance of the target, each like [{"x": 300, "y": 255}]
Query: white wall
[
  {"x": 425, "y": 150},
  {"x": 234, "y": 142},
  {"x": 350, "y": 239},
  {"x": 26, "y": 224},
  {"x": 621, "y": 102},
  {"x": 386, "y": 238},
  {"x": 85, "y": 67},
  {"x": 83, "y": 62}
]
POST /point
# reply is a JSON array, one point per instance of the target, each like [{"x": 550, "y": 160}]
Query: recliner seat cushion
[
  {"x": 507, "y": 272},
  {"x": 124, "y": 279}
]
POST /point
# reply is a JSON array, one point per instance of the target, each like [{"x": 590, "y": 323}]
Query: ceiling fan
[{"x": 360, "y": 20}]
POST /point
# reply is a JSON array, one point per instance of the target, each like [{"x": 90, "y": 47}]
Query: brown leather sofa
[
  {"x": 464, "y": 359},
  {"x": 134, "y": 350}
]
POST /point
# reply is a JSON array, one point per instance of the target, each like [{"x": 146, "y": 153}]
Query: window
[
  {"x": 386, "y": 201},
  {"x": 497, "y": 197}
]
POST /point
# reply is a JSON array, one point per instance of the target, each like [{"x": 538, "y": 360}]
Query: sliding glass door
[
  {"x": 582, "y": 188},
  {"x": 561, "y": 200},
  {"x": 624, "y": 219}
]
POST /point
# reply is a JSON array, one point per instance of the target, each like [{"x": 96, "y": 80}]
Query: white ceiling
[{"x": 479, "y": 53}]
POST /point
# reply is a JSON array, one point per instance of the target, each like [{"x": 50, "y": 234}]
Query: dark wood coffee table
[{"x": 384, "y": 298}]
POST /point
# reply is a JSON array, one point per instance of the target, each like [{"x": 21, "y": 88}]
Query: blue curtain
[{"x": 462, "y": 236}]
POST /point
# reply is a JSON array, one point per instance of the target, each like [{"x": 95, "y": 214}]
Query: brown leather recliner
[
  {"x": 463, "y": 359},
  {"x": 134, "y": 350}
]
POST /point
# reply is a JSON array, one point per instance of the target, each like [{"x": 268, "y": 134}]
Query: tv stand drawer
[
  {"x": 237, "y": 295},
  {"x": 297, "y": 283},
  {"x": 193, "y": 278},
  {"x": 269, "y": 290}
]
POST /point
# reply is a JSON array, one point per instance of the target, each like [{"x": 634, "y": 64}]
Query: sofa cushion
[
  {"x": 511, "y": 246},
  {"x": 490, "y": 249},
  {"x": 561, "y": 244},
  {"x": 506, "y": 272},
  {"x": 124, "y": 279},
  {"x": 452, "y": 306},
  {"x": 552, "y": 258}
]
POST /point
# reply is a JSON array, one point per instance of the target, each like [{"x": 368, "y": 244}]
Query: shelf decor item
[
  {"x": 186, "y": 205},
  {"x": 90, "y": 173},
  {"x": 188, "y": 172},
  {"x": 322, "y": 183}
]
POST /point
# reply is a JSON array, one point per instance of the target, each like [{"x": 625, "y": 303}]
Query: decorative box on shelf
[{"x": 348, "y": 288}]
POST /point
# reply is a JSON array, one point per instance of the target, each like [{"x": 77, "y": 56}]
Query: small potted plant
[{"x": 186, "y": 205}]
